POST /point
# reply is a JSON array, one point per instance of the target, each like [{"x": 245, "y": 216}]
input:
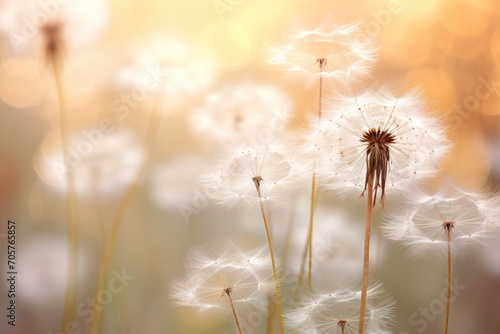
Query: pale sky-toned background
[{"x": 450, "y": 49}]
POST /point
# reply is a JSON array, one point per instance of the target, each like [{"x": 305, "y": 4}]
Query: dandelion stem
[
  {"x": 322, "y": 63},
  {"x": 234, "y": 312},
  {"x": 115, "y": 228},
  {"x": 311, "y": 223},
  {"x": 366, "y": 257},
  {"x": 72, "y": 212},
  {"x": 270, "y": 316},
  {"x": 301, "y": 272},
  {"x": 275, "y": 274},
  {"x": 448, "y": 296}
]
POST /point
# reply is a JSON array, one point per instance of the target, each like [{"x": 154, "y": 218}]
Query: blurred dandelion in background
[
  {"x": 102, "y": 164},
  {"x": 75, "y": 23},
  {"x": 239, "y": 111},
  {"x": 44, "y": 262}
]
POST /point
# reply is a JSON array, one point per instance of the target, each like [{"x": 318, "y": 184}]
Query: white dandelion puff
[
  {"x": 391, "y": 140},
  {"x": 338, "y": 312},
  {"x": 249, "y": 173},
  {"x": 227, "y": 281},
  {"x": 425, "y": 221},
  {"x": 329, "y": 50}
]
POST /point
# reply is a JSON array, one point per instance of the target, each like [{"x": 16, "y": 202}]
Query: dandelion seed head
[
  {"x": 392, "y": 140},
  {"x": 329, "y": 50},
  {"x": 338, "y": 311},
  {"x": 248, "y": 170},
  {"x": 425, "y": 224},
  {"x": 214, "y": 275}
]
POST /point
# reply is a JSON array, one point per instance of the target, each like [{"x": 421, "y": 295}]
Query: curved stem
[
  {"x": 366, "y": 257},
  {"x": 72, "y": 212},
  {"x": 269, "y": 242},
  {"x": 115, "y": 228},
  {"x": 448, "y": 297}
]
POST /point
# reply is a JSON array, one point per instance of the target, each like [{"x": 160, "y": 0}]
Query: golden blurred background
[{"x": 213, "y": 50}]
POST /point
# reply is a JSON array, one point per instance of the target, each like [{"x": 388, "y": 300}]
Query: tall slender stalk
[
  {"x": 448, "y": 296},
  {"x": 300, "y": 280},
  {"x": 270, "y": 316},
  {"x": 366, "y": 257},
  {"x": 115, "y": 228},
  {"x": 72, "y": 212},
  {"x": 322, "y": 64},
  {"x": 257, "y": 181},
  {"x": 311, "y": 225},
  {"x": 228, "y": 293}
]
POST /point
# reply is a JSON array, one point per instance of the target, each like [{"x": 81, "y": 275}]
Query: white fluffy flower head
[
  {"x": 329, "y": 50},
  {"x": 338, "y": 312},
  {"x": 250, "y": 173},
  {"x": 388, "y": 139},
  {"x": 245, "y": 275},
  {"x": 425, "y": 223}
]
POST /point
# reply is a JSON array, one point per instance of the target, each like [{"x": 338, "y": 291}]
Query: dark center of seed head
[
  {"x": 378, "y": 144},
  {"x": 448, "y": 226},
  {"x": 256, "y": 180}
]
